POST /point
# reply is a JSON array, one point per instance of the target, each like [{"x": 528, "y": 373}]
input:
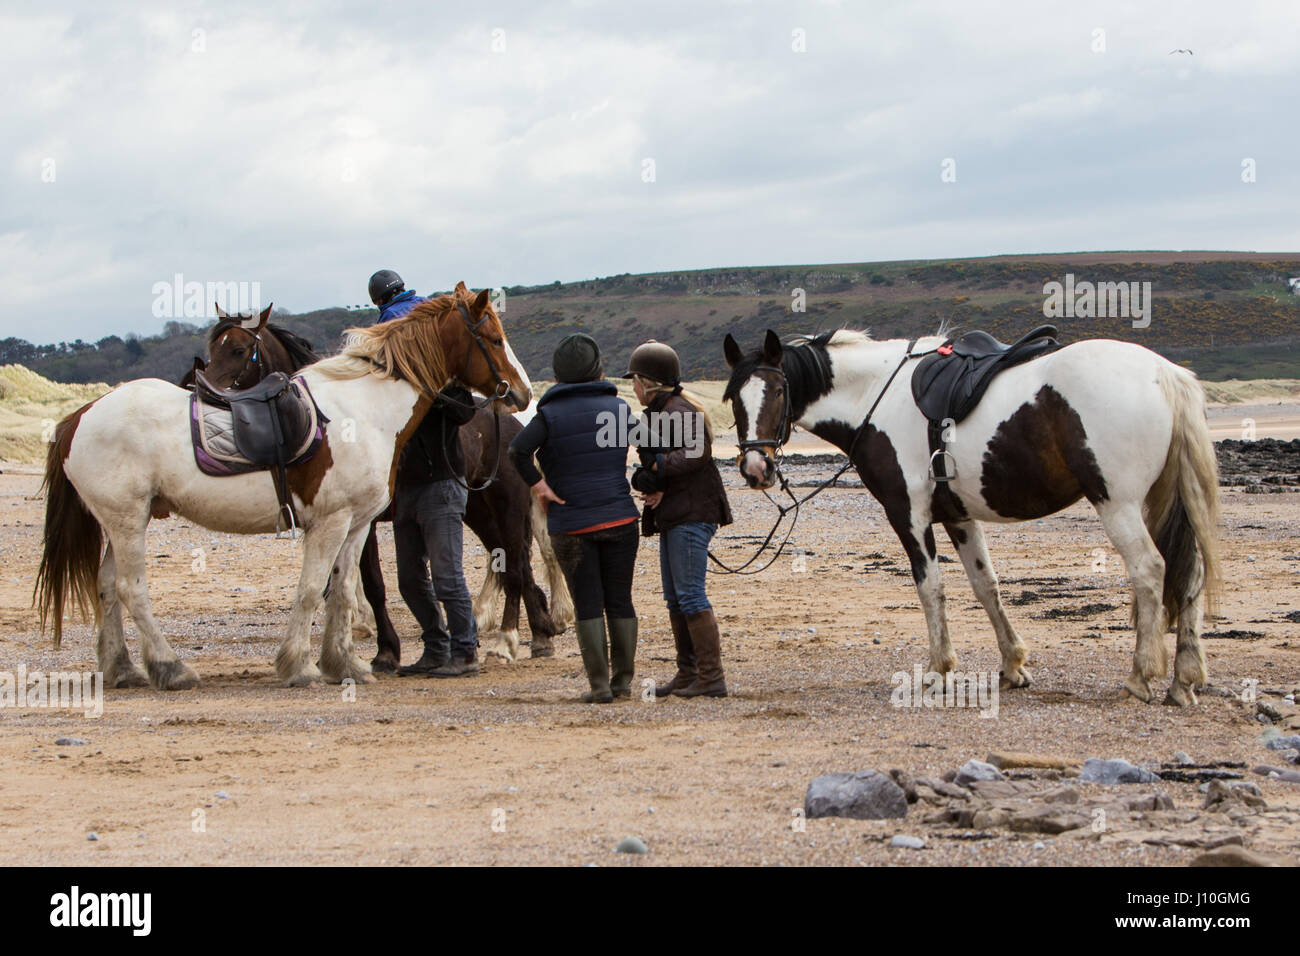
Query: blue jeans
[
  {"x": 683, "y": 564},
  {"x": 428, "y": 530}
]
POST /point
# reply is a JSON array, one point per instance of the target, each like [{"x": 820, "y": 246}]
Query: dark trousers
[
  {"x": 428, "y": 533},
  {"x": 598, "y": 566}
]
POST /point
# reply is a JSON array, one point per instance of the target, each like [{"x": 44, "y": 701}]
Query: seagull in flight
[{"x": 1188, "y": 52}]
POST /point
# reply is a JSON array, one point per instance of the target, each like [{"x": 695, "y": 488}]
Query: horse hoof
[
  {"x": 384, "y": 665},
  {"x": 1015, "y": 682},
  {"x": 307, "y": 677},
  {"x": 1138, "y": 693},
  {"x": 172, "y": 675},
  {"x": 134, "y": 678},
  {"x": 1180, "y": 697}
]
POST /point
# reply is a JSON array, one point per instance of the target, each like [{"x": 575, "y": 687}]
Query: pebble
[
  {"x": 1097, "y": 770},
  {"x": 222, "y": 795},
  {"x": 1181, "y": 758},
  {"x": 71, "y": 742},
  {"x": 1040, "y": 845},
  {"x": 92, "y": 837},
  {"x": 631, "y": 844},
  {"x": 908, "y": 842}
]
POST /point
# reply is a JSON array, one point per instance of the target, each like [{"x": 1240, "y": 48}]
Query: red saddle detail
[{"x": 944, "y": 350}]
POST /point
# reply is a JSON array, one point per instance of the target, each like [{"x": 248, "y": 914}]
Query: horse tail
[
  {"x": 74, "y": 540},
  {"x": 561, "y": 599},
  {"x": 1182, "y": 507}
]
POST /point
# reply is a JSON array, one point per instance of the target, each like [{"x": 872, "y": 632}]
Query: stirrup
[
  {"x": 291, "y": 530},
  {"x": 949, "y": 465}
]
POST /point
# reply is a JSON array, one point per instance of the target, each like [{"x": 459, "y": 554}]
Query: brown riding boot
[
  {"x": 685, "y": 675},
  {"x": 705, "y": 639}
]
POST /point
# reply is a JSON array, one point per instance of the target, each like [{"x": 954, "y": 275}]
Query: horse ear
[
  {"x": 266, "y": 314},
  {"x": 480, "y": 302},
  {"x": 772, "y": 348},
  {"x": 221, "y": 313},
  {"x": 461, "y": 287},
  {"x": 199, "y": 364},
  {"x": 731, "y": 351}
]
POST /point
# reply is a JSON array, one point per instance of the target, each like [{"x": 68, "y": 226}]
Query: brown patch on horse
[
  {"x": 876, "y": 462},
  {"x": 305, "y": 479},
  {"x": 1039, "y": 462},
  {"x": 422, "y": 406},
  {"x": 160, "y": 508}
]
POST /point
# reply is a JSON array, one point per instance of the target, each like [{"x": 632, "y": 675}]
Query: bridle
[
  {"x": 254, "y": 360},
  {"x": 777, "y": 449}
]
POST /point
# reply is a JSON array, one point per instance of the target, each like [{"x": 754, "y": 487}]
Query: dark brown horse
[{"x": 505, "y": 517}]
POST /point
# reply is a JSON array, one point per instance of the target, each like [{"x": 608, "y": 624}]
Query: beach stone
[
  {"x": 631, "y": 844},
  {"x": 71, "y": 742},
  {"x": 865, "y": 795},
  {"x": 1234, "y": 856},
  {"x": 944, "y": 788},
  {"x": 93, "y": 837},
  {"x": 908, "y": 842},
  {"x": 1061, "y": 795},
  {"x": 1008, "y": 759},
  {"x": 973, "y": 770},
  {"x": 1097, "y": 770},
  {"x": 1050, "y": 819},
  {"x": 1180, "y": 757}
]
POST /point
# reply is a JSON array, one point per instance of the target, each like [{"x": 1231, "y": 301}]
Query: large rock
[
  {"x": 974, "y": 770},
  {"x": 866, "y": 795},
  {"x": 1096, "y": 770}
]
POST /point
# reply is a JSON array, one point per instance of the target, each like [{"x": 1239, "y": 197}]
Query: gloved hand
[{"x": 646, "y": 481}]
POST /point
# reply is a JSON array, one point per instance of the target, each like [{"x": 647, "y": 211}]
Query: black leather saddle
[
  {"x": 950, "y": 383},
  {"x": 273, "y": 425}
]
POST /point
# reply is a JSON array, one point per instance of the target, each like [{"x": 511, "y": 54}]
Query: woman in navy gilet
[{"x": 579, "y": 438}]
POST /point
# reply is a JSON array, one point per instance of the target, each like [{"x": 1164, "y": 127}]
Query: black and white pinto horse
[{"x": 1101, "y": 419}]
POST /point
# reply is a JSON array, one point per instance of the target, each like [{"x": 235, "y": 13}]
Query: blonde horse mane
[{"x": 408, "y": 348}]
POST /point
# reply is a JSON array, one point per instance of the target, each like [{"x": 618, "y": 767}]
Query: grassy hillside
[
  {"x": 30, "y": 405},
  {"x": 1226, "y": 315}
]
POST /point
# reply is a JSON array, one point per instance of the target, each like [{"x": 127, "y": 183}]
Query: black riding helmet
[
  {"x": 657, "y": 361},
  {"x": 385, "y": 284}
]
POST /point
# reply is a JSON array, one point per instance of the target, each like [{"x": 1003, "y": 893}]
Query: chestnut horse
[
  {"x": 128, "y": 456},
  {"x": 504, "y": 515}
]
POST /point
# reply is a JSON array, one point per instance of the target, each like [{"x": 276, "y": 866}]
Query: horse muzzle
[{"x": 757, "y": 468}]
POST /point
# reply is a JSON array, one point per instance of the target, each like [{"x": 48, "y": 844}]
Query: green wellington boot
[
  {"x": 622, "y": 655},
  {"x": 595, "y": 659}
]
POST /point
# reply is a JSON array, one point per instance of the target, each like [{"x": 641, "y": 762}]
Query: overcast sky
[{"x": 303, "y": 145}]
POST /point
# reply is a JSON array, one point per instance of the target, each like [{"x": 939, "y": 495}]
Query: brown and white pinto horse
[
  {"x": 127, "y": 457},
  {"x": 1104, "y": 420},
  {"x": 500, "y": 509}
]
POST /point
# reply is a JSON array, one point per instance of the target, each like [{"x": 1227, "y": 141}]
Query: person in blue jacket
[
  {"x": 389, "y": 294},
  {"x": 590, "y": 513}
]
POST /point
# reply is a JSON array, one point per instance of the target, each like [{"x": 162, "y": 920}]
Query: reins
[{"x": 777, "y": 446}]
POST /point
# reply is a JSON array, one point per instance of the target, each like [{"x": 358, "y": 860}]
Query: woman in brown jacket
[{"x": 685, "y": 505}]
